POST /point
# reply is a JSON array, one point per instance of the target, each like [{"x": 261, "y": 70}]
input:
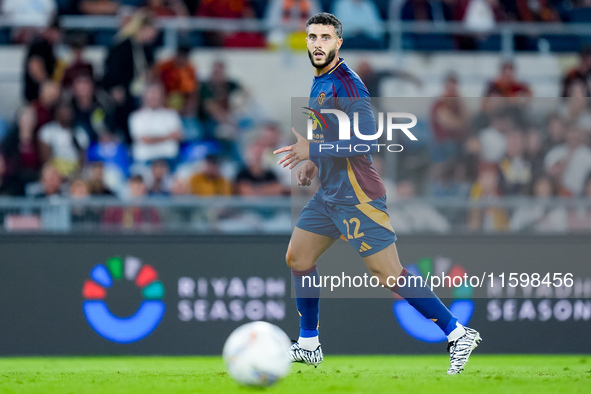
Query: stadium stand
[{"x": 76, "y": 110}]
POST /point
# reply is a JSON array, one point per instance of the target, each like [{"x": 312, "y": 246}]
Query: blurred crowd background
[
  {"x": 363, "y": 18},
  {"x": 140, "y": 127}
]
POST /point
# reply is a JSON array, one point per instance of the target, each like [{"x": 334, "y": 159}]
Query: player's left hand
[{"x": 298, "y": 152}]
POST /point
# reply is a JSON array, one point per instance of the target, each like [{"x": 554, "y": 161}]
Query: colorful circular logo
[
  {"x": 144, "y": 320},
  {"x": 418, "y": 326}
]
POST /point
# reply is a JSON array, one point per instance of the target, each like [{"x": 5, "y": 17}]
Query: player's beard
[{"x": 329, "y": 58}]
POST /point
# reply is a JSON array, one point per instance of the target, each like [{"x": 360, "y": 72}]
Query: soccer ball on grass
[{"x": 256, "y": 354}]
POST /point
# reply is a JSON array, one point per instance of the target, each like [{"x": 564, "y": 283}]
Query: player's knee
[
  {"x": 288, "y": 255},
  {"x": 296, "y": 263}
]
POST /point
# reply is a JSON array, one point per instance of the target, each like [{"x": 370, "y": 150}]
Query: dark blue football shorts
[{"x": 366, "y": 226}]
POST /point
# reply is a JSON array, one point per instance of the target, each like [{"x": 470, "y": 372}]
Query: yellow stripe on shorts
[{"x": 380, "y": 217}]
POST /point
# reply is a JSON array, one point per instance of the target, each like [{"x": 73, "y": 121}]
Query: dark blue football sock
[
  {"x": 307, "y": 300},
  {"x": 418, "y": 294}
]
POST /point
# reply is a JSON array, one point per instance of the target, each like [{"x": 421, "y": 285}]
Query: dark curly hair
[{"x": 326, "y": 19}]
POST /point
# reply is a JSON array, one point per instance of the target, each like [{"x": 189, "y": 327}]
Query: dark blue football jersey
[{"x": 344, "y": 165}]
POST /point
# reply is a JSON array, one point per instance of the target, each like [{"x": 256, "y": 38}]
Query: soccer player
[{"x": 351, "y": 202}]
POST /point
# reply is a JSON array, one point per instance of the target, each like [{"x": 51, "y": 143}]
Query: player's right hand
[{"x": 306, "y": 173}]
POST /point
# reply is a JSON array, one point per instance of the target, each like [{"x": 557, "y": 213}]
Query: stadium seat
[
  {"x": 4, "y": 36},
  {"x": 580, "y": 15},
  {"x": 102, "y": 37},
  {"x": 383, "y": 8},
  {"x": 427, "y": 42},
  {"x": 66, "y": 7},
  {"x": 564, "y": 43},
  {"x": 326, "y": 5},
  {"x": 492, "y": 43},
  {"x": 133, "y": 3},
  {"x": 4, "y": 129},
  {"x": 362, "y": 42}
]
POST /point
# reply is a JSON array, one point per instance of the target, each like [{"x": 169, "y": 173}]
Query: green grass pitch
[{"x": 338, "y": 374}]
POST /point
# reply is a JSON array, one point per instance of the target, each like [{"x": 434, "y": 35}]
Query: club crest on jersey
[
  {"x": 321, "y": 98},
  {"x": 314, "y": 120}
]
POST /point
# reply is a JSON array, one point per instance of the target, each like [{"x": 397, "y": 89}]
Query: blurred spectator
[
  {"x": 210, "y": 181},
  {"x": 415, "y": 162},
  {"x": 43, "y": 105},
  {"x": 96, "y": 180},
  {"x": 179, "y": 187},
  {"x": 51, "y": 182},
  {"x": 92, "y": 108},
  {"x": 575, "y": 107},
  {"x": 82, "y": 215},
  {"x": 254, "y": 179},
  {"x": 167, "y": 8},
  {"x": 40, "y": 60},
  {"x": 161, "y": 180},
  {"x": 63, "y": 144},
  {"x": 539, "y": 215},
  {"x": 78, "y": 65},
  {"x": 21, "y": 147},
  {"x": 133, "y": 217},
  {"x": 471, "y": 157},
  {"x": 479, "y": 15},
  {"x": 156, "y": 130},
  {"x": 408, "y": 215},
  {"x": 123, "y": 106},
  {"x": 130, "y": 58},
  {"x": 114, "y": 155},
  {"x": 516, "y": 172},
  {"x": 215, "y": 98},
  {"x": 179, "y": 78},
  {"x": 533, "y": 151},
  {"x": 448, "y": 180},
  {"x": 281, "y": 14},
  {"x": 374, "y": 79},
  {"x": 556, "y": 132},
  {"x": 97, "y": 7},
  {"x": 79, "y": 188},
  {"x": 449, "y": 121},
  {"x": 230, "y": 9},
  {"x": 191, "y": 6},
  {"x": 537, "y": 11},
  {"x": 493, "y": 101},
  {"x": 9, "y": 184},
  {"x": 28, "y": 11},
  {"x": 579, "y": 215},
  {"x": 486, "y": 188},
  {"x": 493, "y": 139},
  {"x": 570, "y": 163},
  {"x": 507, "y": 85},
  {"x": 580, "y": 73},
  {"x": 532, "y": 10},
  {"x": 271, "y": 139},
  {"x": 364, "y": 29}
]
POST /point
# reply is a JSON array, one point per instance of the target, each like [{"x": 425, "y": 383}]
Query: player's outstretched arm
[{"x": 298, "y": 152}]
